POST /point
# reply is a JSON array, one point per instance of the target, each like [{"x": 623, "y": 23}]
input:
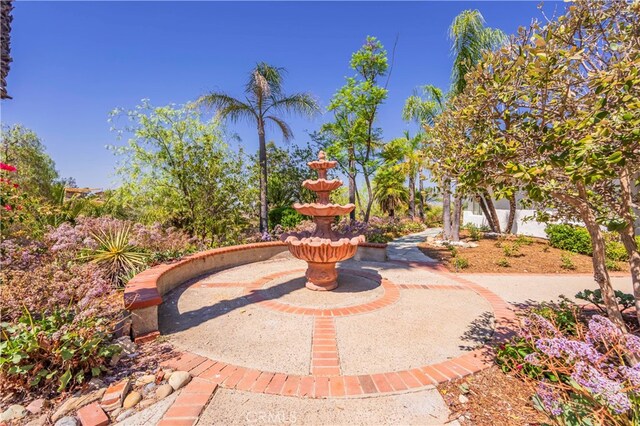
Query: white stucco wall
[{"x": 520, "y": 225}]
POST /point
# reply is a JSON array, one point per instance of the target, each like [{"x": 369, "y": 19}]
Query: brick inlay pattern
[
  {"x": 324, "y": 348},
  {"x": 325, "y": 380},
  {"x": 391, "y": 295}
]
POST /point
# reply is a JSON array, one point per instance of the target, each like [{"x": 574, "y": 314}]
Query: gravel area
[
  {"x": 216, "y": 323},
  {"x": 423, "y": 327},
  {"x": 230, "y": 407}
]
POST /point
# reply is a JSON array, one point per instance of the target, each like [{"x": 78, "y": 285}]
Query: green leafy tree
[
  {"x": 556, "y": 112},
  {"x": 287, "y": 169},
  {"x": 177, "y": 169},
  {"x": 36, "y": 172},
  {"x": 352, "y": 137},
  {"x": 264, "y": 102}
]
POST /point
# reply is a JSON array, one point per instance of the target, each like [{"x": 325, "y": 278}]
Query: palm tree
[
  {"x": 264, "y": 102},
  {"x": 389, "y": 190},
  {"x": 470, "y": 39},
  {"x": 5, "y": 45}
]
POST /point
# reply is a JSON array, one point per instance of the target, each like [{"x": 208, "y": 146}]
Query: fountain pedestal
[{"x": 323, "y": 247}]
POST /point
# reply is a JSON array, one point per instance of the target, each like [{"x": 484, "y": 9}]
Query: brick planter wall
[{"x": 143, "y": 294}]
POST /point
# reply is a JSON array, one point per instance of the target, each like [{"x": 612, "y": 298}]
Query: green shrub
[
  {"x": 503, "y": 262},
  {"x": 614, "y": 250},
  {"x": 612, "y": 265},
  {"x": 433, "y": 216},
  {"x": 474, "y": 232},
  {"x": 566, "y": 260},
  {"x": 627, "y": 301},
  {"x": 572, "y": 238},
  {"x": 410, "y": 227},
  {"x": 523, "y": 240},
  {"x": 287, "y": 217},
  {"x": 511, "y": 250},
  {"x": 56, "y": 350},
  {"x": 460, "y": 262}
]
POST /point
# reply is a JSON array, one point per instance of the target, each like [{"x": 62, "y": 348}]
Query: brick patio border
[{"x": 325, "y": 380}]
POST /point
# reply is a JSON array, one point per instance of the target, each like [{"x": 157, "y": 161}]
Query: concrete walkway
[
  {"x": 405, "y": 248},
  {"x": 244, "y": 323}
]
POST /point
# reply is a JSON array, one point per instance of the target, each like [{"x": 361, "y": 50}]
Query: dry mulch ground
[
  {"x": 536, "y": 258},
  {"x": 494, "y": 399}
]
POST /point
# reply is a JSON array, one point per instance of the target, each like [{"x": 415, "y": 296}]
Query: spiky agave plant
[{"x": 121, "y": 259}]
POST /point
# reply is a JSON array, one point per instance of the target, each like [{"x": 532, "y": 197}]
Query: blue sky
[{"x": 76, "y": 61}]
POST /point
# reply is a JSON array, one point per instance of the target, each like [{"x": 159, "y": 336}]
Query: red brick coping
[
  {"x": 325, "y": 379},
  {"x": 143, "y": 294}
]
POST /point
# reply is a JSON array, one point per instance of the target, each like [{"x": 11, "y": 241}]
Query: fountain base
[{"x": 321, "y": 276}]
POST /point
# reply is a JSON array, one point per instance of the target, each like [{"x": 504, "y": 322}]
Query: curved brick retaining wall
[{"x": 143, "y": 294}]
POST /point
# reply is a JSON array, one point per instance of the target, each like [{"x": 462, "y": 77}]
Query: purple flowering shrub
[
  {"x": 585, "y": 374},
  {"x": 60, "y": 307}
]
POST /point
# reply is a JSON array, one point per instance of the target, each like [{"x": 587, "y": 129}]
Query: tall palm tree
[
  {"x": 264, "y": 102},
  {"x": 470, "y": 39}
]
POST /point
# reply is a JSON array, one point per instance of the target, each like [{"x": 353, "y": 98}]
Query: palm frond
[
  {"x": 470, "y": 39},
  {"x": 287, "y": 133},
  {"x": 228, "y": 107},
  {"x": 298, "y": 103},
  {"x": 265, "y": 80}
]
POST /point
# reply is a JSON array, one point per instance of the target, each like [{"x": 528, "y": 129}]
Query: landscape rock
[
  {"x": 115, "y": 413},
  {"x": 149, "y": 389},
  {"x": 146, "y": 379},
  {"x": 67, "y": 421},
  {"x": 125, "y": 414},
  {"x": 463, "y": 399},
  {"x": 115, "y": 394},
  {"x": 37, "y": 405},
  {"x": 38, "y": 421},
  {"x": 131, "y": 400},
  {"x": 163, "y": 391},
  {"x": 178, "y": 379},
  {"x": 159, "y": 377},
  {"x": 127, "y": 347},
  {"x": 73, "y": 403},
  {"x": 96, "y": 383},
  {"x": 14, "y": 412}
]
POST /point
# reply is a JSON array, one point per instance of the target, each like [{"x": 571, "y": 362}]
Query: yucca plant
[{"x": 122, "y": 259}]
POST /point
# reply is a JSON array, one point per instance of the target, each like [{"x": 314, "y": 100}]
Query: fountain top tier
[{"x": 322, "y": 187}]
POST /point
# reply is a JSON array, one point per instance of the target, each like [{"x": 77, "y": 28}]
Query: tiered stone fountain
[{"x": 323, "y": 247}]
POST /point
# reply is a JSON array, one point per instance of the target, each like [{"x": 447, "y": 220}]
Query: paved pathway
[{"x": 405, "y": 248}]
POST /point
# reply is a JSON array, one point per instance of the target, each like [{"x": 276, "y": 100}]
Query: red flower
[
  {"x": 7, "y": 207},
  {"x": 7, "y": 167}
]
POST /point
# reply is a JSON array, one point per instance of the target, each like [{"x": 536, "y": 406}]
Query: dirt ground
[
  {"x": 492, "y": 399},
  {"x": 534, "y": 255}
]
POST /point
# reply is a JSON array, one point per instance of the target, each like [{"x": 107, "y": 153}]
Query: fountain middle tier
[{"x": 317, "y": 209}]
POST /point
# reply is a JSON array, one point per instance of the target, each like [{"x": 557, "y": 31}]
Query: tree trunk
[
  {"x": 457, "y": 213},
  {"x": 352, "y": 186},
  {"x": 628, "y": 237},
  {"x": 264, "y": 208},
  {"x": 512, "y": 214},
  {"x": 485, "y": 211},
  {"x": 600, "y": 273},
  {"x": 367, "y": 213},
  {"x": 492, "y": 210},
  {"x": 420, "y": 196},
  {"x": 446, "y": 209},
  {"x": 412, "y": 196}
]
